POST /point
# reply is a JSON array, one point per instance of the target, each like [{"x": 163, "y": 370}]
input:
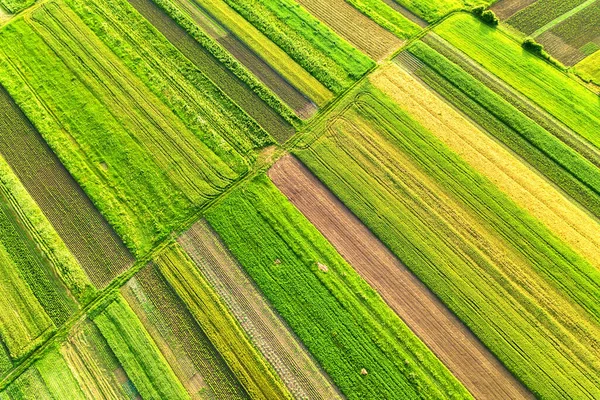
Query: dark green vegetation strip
[
  {"x": 327, "y": 57},
  {"x": 342, "y": 321},
  {"x": 561, "y": 164},
  {"x": 137, "y": 353},
  {"x": 169, "y": 314},
  {"x": 33, "y": 266},
  {"x": 557, "y": 93},
  {"x": 529, "y": 298},
  {"x": 87, "y": 235},
  {"x": 224, "y": 72},
  {"x": 533, "y": 17}
]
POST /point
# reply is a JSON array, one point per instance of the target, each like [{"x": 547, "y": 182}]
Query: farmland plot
[
  {"x": 139, "y": 163},
  {"x": 433, "y": 10},
  {"x": 568, "y": 41},
  {"x": 267, "y": 331},
  {"x": 355, "y": 27},
  {"x": 247, "y": 364},
  {"x": 142, "y": 361},
  {"x": 590, "y": 68},
  {"x": 326, "y": 56},
  {"x": 254, "y": 55},
  {"x": 492, "y": 264},
  {"x": 194, "y": 359},
  {"x": 557, "y": 93},
  {"x": 463, "y": 354},
  {"x": 205, "y": 67},
  {"x": 512, "y": 175},
  {"x": 63, "y": 203},
  {"x": 505, "y": 9},
  {"x": 535, "y": 16},
  {"x": 14, "y": 6},
  {"x": 364, "y": 347},
  {"x": 577, "y": 176}
]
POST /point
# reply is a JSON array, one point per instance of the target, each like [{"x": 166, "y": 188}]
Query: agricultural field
[{"x": 299, "y": 199}]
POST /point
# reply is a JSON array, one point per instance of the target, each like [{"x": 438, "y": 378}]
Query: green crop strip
[
  {"x": 491, "y": 263},
  {"x": 561, "y": 164},
  {"x": 557, "y": 93},
  {"x": 137, "y": 353},
  {"x": 342, "y": 321},
  {"x": 387, "y": 17}
]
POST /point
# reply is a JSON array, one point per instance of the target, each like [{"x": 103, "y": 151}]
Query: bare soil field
[
  {"x": 506, "y": 8},
  {"x": 481, "y": 373},
  {"x": 353, "y": 26}
]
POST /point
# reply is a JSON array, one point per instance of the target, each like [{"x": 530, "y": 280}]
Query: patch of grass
[{"x": 14, "y": 6}]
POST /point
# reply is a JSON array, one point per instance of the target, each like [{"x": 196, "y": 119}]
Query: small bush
[{"x": 486, "y": 16}]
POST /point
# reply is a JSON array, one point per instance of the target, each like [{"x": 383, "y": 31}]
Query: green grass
[
  {"x": 561, "y": 164},
  {"x": 244, "y": 360},
  {"x": 22, "y": 318},
  {"x": 58, "y": 377},
  {"x": 326, "y": 56},
  {"x": 137, "y": 353},
  {"x": 140, "y": 165},
  {"x": 14, "y": 6},
  {"x": 29, "y": 385},
  {"x": 342, "y": 321},
  {"x": 523, "y": 292},
  {"x": 557, "y": 93},
  {"x": 43, "y": 234},
  {"x": 387, "y": 17},
  {"x": 589, "y": 68}
]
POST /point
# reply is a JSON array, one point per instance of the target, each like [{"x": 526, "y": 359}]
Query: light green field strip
[
  {"x": 248, "y": 365},
  {"x": 137, "y": 353},
  {"x": 504, "y": 274},
  {"x": 44, "y": 235},
  {"x": 22, "y": 318},
  {"x": 143, "y": 169},
  {"x": 341, "y": 320},
  {"x": 557, "y": 93},
  {"x": 563, "y": 17},
  {"x": 273, "y": 55},
  {"x": 29, "y": 385},
  {"x": 57, "y": 376},
  {"x": 590, "y": 67}
]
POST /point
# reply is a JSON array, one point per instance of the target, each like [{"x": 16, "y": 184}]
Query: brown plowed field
[{"x": 481, "y": 373}]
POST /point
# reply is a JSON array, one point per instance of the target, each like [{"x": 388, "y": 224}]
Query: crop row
[
  {"x": 248, "y": 365},
  {"x": 500, "y": 271},
  {"x": 582, "y": 28},
  {"x": 142, "y": 361},
  {"x": 561, "y": 164},
  {"x": 557, "y": 93},
  {"x": 538, "y": 14},
  {"x": 233, "y": 25},
  {"x": 188, "y": 350},
  {"x": 14, "y": 6},
  {"x": 364, "y": 347},
  {"x": 264, "y": 327},
  {"x": 387, "y": 17},
  {"x": 150, "y": 172},
  {"x": 327, "y": 57}
]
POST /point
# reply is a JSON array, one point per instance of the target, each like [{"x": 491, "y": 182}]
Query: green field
[
  {"x": 340, "y": 319},
  {"x": 14, "y": 6},
  {"x": 540, "y": 13},
  {"x": 151, "y": 172},
  {"x": 490, "y": 263},
  {"x": 561, "y": 164},
  {"x": 590, "y": 68},
  {"x": 561, "y": 96}
]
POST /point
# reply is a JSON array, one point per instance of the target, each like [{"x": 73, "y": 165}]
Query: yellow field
[{"x": 524, "y": 185}]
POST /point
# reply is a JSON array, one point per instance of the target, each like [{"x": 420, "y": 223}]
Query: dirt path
[{"x": 481, "y": 373}]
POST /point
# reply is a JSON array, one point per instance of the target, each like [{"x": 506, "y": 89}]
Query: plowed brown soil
[
  {"x": 507, "y": 8},
  {"x": 481, "y": 373}
]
